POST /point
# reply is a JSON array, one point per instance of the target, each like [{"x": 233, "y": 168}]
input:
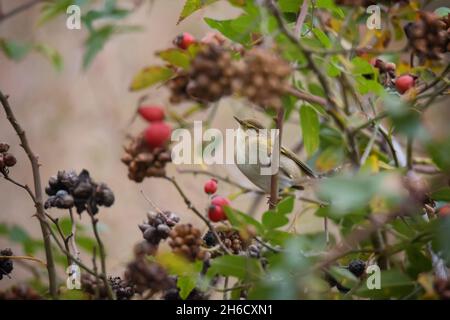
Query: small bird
[{"x": 292, "y": 173}]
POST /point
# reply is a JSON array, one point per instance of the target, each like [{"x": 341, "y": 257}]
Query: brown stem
[
  {"x": 18, "y": 10},
  {"x": 102, "y": 255},
  {"x": 274, "y": 179},
  {"x": 24, "y": 258},
  {"x": 38, "y": 196}
]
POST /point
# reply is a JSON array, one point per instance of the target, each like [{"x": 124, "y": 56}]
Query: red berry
[
  {"x": 152, "y": 113},
  {"x": 184, "y": 40},
  {"x": 216, "y": 213},
  {"x": 210, "y": 186},
  {"x": 157, "y": 134},
  {"x": 220, "y": 201},
  {"x": 404, "y": 83},
  {"x": 444, "y": 211}
]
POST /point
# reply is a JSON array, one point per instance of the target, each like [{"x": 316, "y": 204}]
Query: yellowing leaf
[
  {"x": 150, "y": 76},
  {"x": 176, "y": 57},
  {"x": 190, "y": 6}
]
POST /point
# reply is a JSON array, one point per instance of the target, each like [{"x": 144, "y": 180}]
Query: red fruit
[
  {"x": 210, "y": 186},
  {"x": 220, "y": 201},
  {"x": 152, "y": 113},
  {"x": 184, "y": 40},
  {"x": 216, "y": 213},
  {"x": 404, "y": 83},
  {"x": 444, "y": 211},
  {"x": 157, "y": 134}
]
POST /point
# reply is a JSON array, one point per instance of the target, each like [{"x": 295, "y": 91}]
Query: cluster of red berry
[
  {"x": 158, "y": 132},
  {"x": 402, "y": 83},
  {"x": 216, "y": 210}
]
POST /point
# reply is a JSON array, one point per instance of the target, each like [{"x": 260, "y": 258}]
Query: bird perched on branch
[{"x": 292, "y": 172}]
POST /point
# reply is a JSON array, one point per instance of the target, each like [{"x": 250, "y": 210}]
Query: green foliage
[
  {"x": 309, "y": 122},
  {"x": 190, "y": 6},
  {"x": 150, "y": 76}
]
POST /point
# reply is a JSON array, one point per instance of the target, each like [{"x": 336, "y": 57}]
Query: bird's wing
[{"x": 303, "y": 166}]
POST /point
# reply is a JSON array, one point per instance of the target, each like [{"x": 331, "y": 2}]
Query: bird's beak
[{"x": 238, "y": 120}]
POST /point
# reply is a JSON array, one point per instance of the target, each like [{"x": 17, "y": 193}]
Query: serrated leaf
[
  {"x": 227, "y": 28},
  {"x": 309, "y": 122},
  {"x": 186, "y": 284},
  {"x": 176, "y": 57},
  {"x": 240, "y": 267},
  {"x": 190, "y": 6},
  {"x": 150, "y": 76},
  {"x": 15, "y": 50}
]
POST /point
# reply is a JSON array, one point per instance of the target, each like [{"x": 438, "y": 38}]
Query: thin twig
[
  {"x": 191, "y": 207},
  {"x": 24, "y": 258},
  {"x": 102, "y": 255},
  {"x": 38, "y": 195},
  {"x": 18, "y": 10},
  {"x": 72, "y": 236},
  {"x": 301, "y": 18}
]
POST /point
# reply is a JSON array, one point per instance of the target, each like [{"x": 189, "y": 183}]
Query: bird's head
[{"x": 249, "y": 124}]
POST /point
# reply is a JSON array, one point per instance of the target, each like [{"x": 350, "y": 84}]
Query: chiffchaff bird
[{"x": 292, "y": 172}]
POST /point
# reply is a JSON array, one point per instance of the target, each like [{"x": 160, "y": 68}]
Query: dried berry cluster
[
  {"x": 6, "y": 159},
  {"x": 121, "y": 288},
  {"x": 186, "y": 240},
  {"x": 211, "y": 74},
  {"x": 146, "y": 275},
  {"x": 232, "y": 240},
  {"x": 260, "y": 76},
  {"x": 143, "y": 161},
  {"x": 178, "y": 88},
  {"x": 158, "y": 226},
  {"x": 430, "y": 35},
  {"x": 20, "y": 292},
  {"x": 264, "y": 79},
  {"x": 6, "y": 265},
  {"x": 67, "y": 189}
]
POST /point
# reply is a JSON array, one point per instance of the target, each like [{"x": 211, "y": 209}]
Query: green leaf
[
  {"x": 240, "y": 267},
  {"x": 322, "y": 37},
  {"x": 178, "y": 265},
  {"x": 273, "y": 220},
  {"x": 52, "y": 9},
  {"x": 4, "y": 229},
  {"x": 441, "y": 195},
  {"x": 309, "y": 121},
  {"x": 439, "y": 151},
  {"x": 442, "y": 11},
  {"x": 292, "y": 6},
  {"x": 150, "y": 76},
  {"x": 394, "y": 284},
  {"x": 186, "y": 284},
  {"x": 177, "y": 57},
  {"x": 18, "y": 234},
  {"x": 86, "y": 243},
  {"x": 286, "y": 205},
  {"x": 441, "y": 238},
  {"x": 51, "y": 54},
  {"x": 361, "y": 66},
  {"x": 237, "y": 30},
  {"x": 240, "y": 220},
  {"x": 15, "y": 50},
  {"x": 190, "y": 6},
  {"x": 343, "y": 276}
]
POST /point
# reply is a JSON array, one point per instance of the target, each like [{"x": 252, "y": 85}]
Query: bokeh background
[{"x": 78, "y": 119}]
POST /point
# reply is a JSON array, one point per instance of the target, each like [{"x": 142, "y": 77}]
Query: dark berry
[{"x": 357, "y": 267}]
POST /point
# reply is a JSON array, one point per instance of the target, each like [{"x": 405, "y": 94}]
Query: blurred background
[{"x": 79, "y": 119}]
